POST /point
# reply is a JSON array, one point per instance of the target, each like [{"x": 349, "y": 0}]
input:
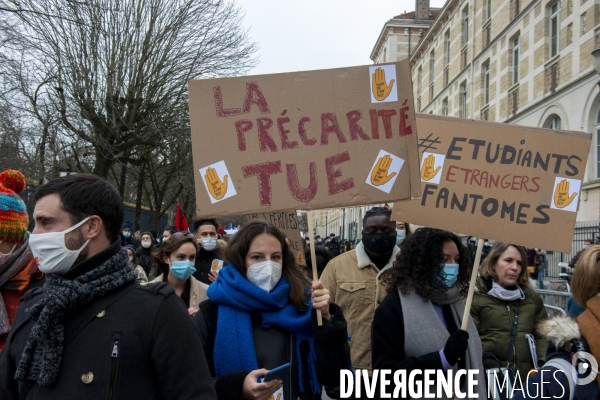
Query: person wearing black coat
[
  {"x": 209, "y": 251},
  {"x": 145, "y": 252},
  {"x": 92, "y": 332}
]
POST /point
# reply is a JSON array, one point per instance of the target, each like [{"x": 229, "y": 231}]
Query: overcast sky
[{"x": 297, "y": 35}]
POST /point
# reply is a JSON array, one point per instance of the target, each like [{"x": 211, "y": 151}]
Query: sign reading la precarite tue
[{"x": 304, "y": 140}]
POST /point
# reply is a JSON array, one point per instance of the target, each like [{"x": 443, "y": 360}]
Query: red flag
[{"x": 180, "y": 221}]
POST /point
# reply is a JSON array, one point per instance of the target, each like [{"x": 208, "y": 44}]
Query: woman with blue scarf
[{"x": 261, "y": 315}]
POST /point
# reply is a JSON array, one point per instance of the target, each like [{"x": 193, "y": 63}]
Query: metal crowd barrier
[{"x": 554, "y": 300}]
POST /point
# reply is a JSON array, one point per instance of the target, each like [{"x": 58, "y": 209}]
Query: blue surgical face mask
[
  {"x": 182, "y": 269},
  {"x": 400, "y": 236},
  {"x": 127, "y": 234},
  {"x": 451, "y": 271},
  {"x": 487, "y": 244}
]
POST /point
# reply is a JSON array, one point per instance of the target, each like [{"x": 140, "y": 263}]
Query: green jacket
[{"x": 494, "y": 324}]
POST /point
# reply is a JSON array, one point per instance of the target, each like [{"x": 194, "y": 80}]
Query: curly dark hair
[{"x": 415, "y": 266}]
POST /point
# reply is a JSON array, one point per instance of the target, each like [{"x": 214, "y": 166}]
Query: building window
[
  {"x": 445, "y": 106},
  {"x": 420, "y": 81},
  {"x": 554, "y": 29},
  {"x": 598, "y": 145},
  {"x": 488, "y": 9},
  {"x": 515, "y": 59},
  {"x": 555, "y": 123},
  {"x": 463, "y": 100},
  {"x": 465, "y": 27},
  {"x": 514, "y": 8},
  {"x": 486, "y": 83},
  {"x": 447, "y": 48},
  {"x": 431, "y": 66}
]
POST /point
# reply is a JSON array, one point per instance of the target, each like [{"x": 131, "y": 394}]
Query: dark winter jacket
[
  {"x": 145, "y": 257},
  {"x": 575, "y": 258},
  {"x": 493, "y": 318},
  {"x": 275, "y": 347},
  {"x": 334, "y": 247},
  {"x": 138, "y": 342},
  {"x": 389, "y": 339},
  {"x": 204, "y": 261},
  {"x": 130, "y": 240}
]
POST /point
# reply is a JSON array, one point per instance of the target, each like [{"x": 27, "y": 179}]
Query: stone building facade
[{"x": 525, "y": 62}]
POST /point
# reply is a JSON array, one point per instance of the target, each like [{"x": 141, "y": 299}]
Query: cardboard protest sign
[
  {"x": 503, "y": 182},
  {"x": 286, "y": 222},
  {"x": 304, "y": 140}
]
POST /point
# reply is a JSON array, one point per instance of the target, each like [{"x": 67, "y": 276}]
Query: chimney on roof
[{"x": 422, "y": 10}]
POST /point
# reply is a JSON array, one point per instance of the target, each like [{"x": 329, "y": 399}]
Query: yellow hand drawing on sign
[
  {"x": 300, "y": 258},
  {"x": 278, "y": 397},
  {"x": 216, "y": 188},
  {"x": 379, "y": 175},
  {"x": 561, "y": 195},
  {"x": 381, "y": 90},
  {"x": 427, "y": 171}
]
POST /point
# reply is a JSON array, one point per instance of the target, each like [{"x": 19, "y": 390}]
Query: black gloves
[{"x": 456, "y": 346}]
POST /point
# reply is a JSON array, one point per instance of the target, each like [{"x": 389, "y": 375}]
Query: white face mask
[
  {"x": 130, "y": 259},
  {"x": 264, "y": 274},
  {"x": 209, "y": 244},
  {"x": 146, "y": 244},
  {"x": 51, "y": 253}
]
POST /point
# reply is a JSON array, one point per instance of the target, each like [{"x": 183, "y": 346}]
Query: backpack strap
[{"x": 567, "y": 368}]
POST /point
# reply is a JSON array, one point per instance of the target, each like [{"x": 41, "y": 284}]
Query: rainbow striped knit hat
[{"x": 13, "y": 213}]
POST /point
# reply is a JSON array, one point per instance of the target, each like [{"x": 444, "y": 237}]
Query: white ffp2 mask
[
  {"x": 209, "y": 244},
  {"x": 265, "y": 274},
  {"x": 50, "y": 250}
]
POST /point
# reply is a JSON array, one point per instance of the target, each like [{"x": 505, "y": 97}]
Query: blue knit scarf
[{"x": 234, "y": 343}]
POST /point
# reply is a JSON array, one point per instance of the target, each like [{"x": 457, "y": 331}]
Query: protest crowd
[{"x": 89, "y": 311}]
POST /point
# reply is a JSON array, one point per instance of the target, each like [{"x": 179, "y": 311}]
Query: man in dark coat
[
  {"x": 210, "y": 255},
  {"x": 91, "y": 332},
  {"x": 333, "y": 245},
  {"x": 127, "y": 235}
]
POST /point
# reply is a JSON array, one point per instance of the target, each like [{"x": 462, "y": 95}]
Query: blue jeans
[{"x": 540, "y": 277}]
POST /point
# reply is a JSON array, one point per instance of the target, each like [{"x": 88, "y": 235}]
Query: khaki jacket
[
  {"x": 494, "y": 324},
  {"x": 355, "y": 284},
  {"x": 197, "y": 290}
]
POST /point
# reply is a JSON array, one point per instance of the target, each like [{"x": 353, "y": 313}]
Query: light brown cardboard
[
  {"x": 321, "y": 131},
  {"x": 286, "y": 222},
  {"x": 527, "y": 183}
]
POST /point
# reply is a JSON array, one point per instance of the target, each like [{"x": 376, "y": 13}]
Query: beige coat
[
  {"x": 197, "y": 290},
  {"x": 355, "y": 284}
]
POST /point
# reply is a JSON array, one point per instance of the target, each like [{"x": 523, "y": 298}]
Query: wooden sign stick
[
  {"x": 313, "y": 257},
  {"x": 465, "y": 319}
]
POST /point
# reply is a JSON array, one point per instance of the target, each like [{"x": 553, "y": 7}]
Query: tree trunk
[
  {"x": 138, "y": 199},
  {"x": 123, "y": 178},
  {"x": 43, "y": 154},
  {"x": 103, "y": 164}
]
